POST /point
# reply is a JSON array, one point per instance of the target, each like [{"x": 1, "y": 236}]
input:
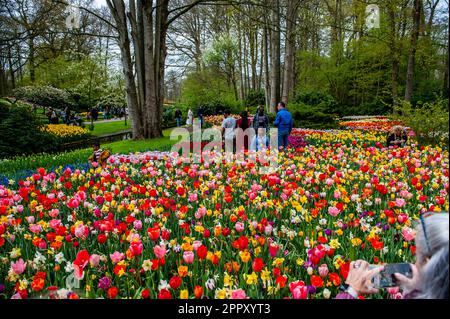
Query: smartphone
[{"x": 386, "y": 277}]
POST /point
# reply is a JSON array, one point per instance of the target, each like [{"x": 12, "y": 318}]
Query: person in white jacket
[{"x": 190, "y": 118}]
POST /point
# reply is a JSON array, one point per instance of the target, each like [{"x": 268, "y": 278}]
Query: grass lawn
[
  {"x": 109, "y": 127},
  {"x": 130, "y": 146},
  {"x": 21, "y": 166}
]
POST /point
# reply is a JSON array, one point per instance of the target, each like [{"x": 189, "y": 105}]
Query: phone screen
[{"x": 386, "y": 277}]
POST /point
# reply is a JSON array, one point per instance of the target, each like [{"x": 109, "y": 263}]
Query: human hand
[
  {"x": 360, "y": 276},
  {"x": 408, "y": 284}
]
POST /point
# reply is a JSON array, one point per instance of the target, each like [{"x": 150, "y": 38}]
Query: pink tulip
[
  {"x": 400, "y": 202},
  {"x": 94, "y": 260},
  {"x": 323, "y": 270},
  {"x": 239, "y": 227},
  {"x": 54, "y": 223},
  {"x": 35, "y": 228},
  {"x": 402, "y": 218},
  {"x": 137, "y": 224},
  {"x": 160, "y": 251},
  {"x": 392, "y": 290},
  {"x": 53, "y": 213},
  {"x": 116, "y": 257},
  {"x": 408, "y": 234},
  {"x": 398, "y": 295},
  {"x": 333, "y": 211},
  {"x": 298, "y": 289},
  {"x": 19, "y": 266},
  {"x": 196, "y": 244},
  {"x": 193, "y": 197},
  {"x": 238, "y": 294},
  {"x": 188, "y": 257}
]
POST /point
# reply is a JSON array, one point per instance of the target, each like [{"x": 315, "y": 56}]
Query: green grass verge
[
  {"x": 11, "y": 167},
  {"x": 109, "y": 127}
]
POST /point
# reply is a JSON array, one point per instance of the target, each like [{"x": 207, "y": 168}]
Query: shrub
[
  {"x": 24, "y": 135},
  {"x": 255, "y": 98},
  {"x": 314, "y": 117},
  {"x": 316, "y": 98},
  {"x": 429, "y": 121},
  {"x": 46, "y": 96}
]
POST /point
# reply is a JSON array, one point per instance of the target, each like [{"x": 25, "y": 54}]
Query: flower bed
[
  {"x": 149, "y": 226},
  {"x": 217, "y": 119},
  {"x": 376, "y": 123},
  {"x": 65, "y": 131}
]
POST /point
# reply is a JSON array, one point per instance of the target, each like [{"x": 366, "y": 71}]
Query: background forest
[{"x": 324, "y": 58}]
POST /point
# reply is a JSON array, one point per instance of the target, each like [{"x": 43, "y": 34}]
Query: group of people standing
[
  {"x": 68, "y": 117},
  {"x": 260, "y": 123}
]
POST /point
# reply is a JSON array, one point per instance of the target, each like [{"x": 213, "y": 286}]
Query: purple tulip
[
  {"x": 104, "y": 283},
  {"x": 311, "y": 290}
]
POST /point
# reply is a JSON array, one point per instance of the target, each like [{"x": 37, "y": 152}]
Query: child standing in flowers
[
  {"x": 99, "y": 156},
  {"x": 260, "y": 141}
]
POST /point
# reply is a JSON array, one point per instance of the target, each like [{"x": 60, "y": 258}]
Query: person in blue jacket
[{"x": 284, "y": 123}]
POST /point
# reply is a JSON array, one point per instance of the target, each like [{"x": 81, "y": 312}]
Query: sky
[{"x": 100, "y": 3}]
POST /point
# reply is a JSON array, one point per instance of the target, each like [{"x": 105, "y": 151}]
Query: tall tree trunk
[
  {"x": 11, "y": 69},
  {"x": 275, "y": 56},
  {"x": 31, "y": 60},
  {"x": 117, "y": 8},
  {"x": 266, "y": 68},
  {"x": 445, "y": 91},
  {"x": 160, "y": 59},
  {"x": 241, "y": 77},
  {"x": 261, "y": 63},
  {"x": 412, "y": 51},
  {"x": 394, "y": 53},
  {"x": 288, "y": 81}
]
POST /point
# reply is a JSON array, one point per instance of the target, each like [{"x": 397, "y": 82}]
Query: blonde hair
[{"x": 396, "y": 128}]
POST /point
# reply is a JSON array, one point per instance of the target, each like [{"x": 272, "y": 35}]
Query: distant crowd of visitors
[
  {"x": 68, "y": 117},
  {"x": 107, "y": 111},
  {"x": 259, "y": 122}
]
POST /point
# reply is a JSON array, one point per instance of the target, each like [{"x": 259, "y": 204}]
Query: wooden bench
[{"x": 107, "y": 138}]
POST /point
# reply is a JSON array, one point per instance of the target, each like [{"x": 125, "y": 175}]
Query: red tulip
[
  {"x": 80, "y": 262},
  {"x": 153, "y": 233},
  {"x": 175, "y": 282},
  {"x": 164, "y": 294},
  {"x": 101, "y": 238},
  {"x": 281, "y": 281},
  {"x": 258, "y": 264},
  {"x": 198, "y": 292},
  {"x": 226, "y": 231},
  {"x": 112, "y": 292},
  {"x": 145, "y": 293},
  {"x": 202, "y": 251},
  {"x": 316, "y": 281}
]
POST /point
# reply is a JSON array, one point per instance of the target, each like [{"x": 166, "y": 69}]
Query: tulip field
[{"x": 151, "y": 226}]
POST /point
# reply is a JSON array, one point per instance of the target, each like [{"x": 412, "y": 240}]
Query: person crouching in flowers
[
  {"x": 397, "y": 136},
  {"x": 99, "y": 156},
  {"x": 430, "y": 276}
]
